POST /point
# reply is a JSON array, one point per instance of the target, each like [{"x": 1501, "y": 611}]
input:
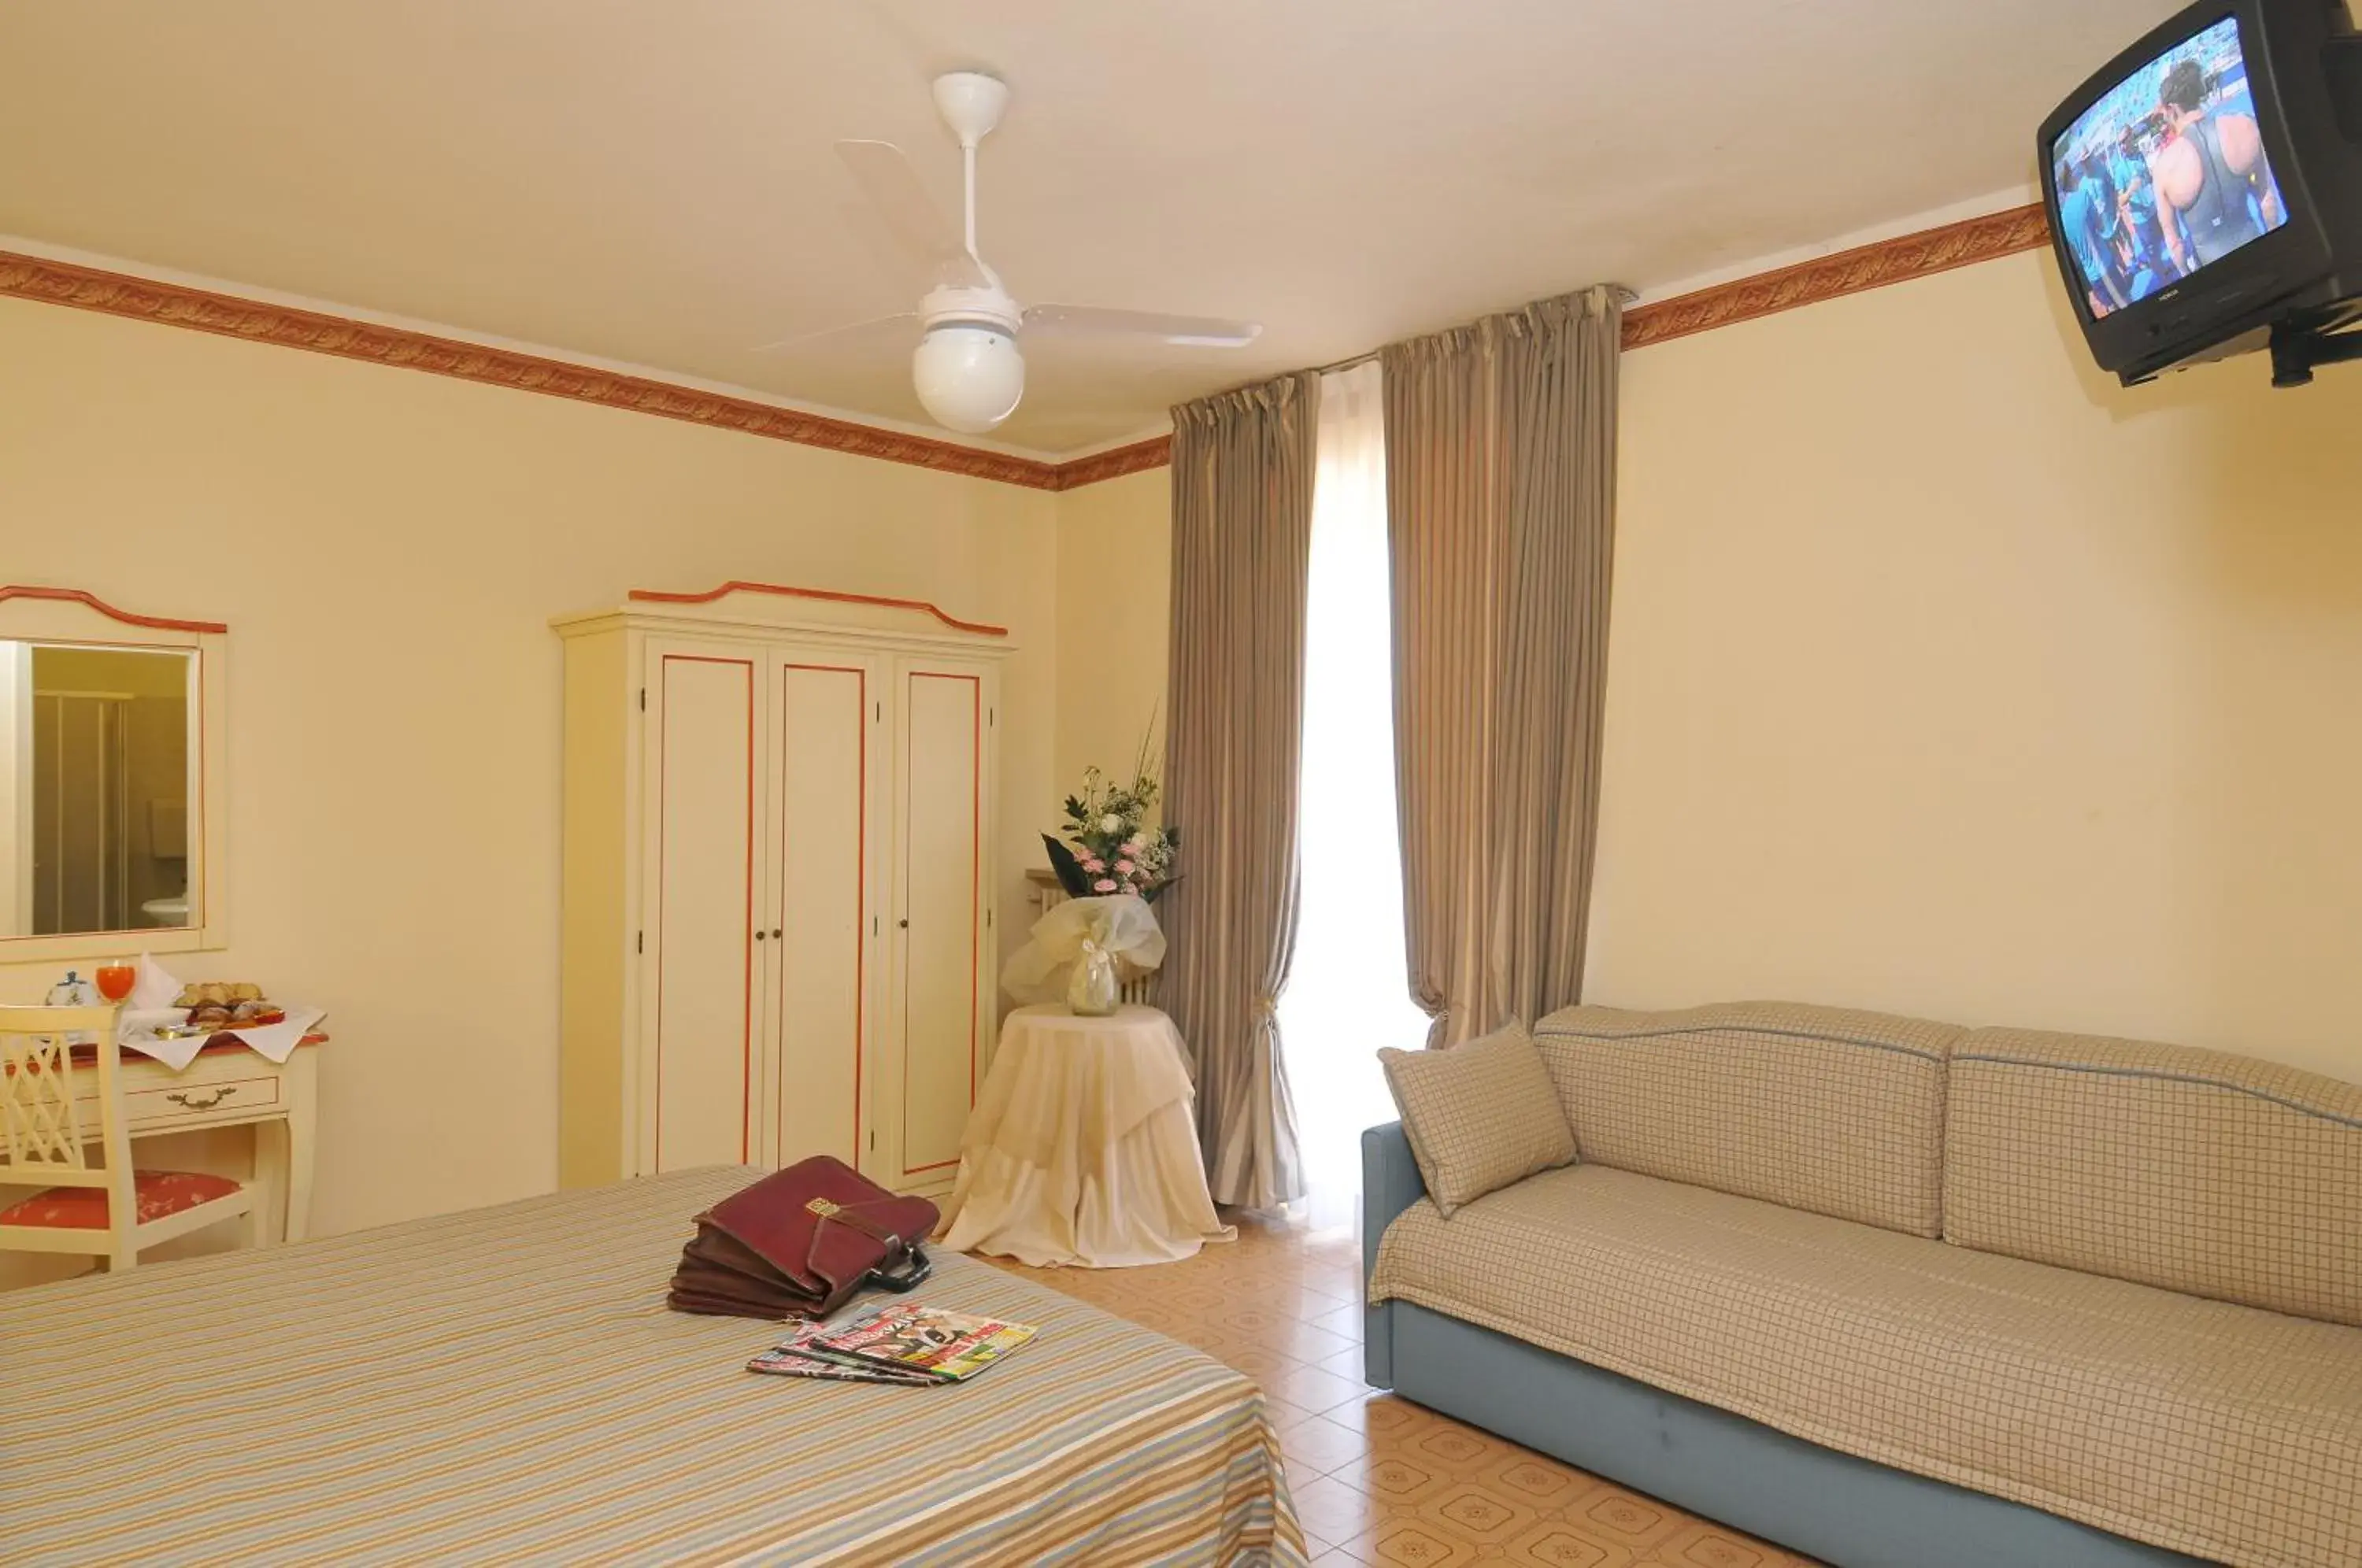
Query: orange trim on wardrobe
[
  {"x": 80, "y": 596},
  {"x": 827, "y": 595},
  {"x": 860, "y": 899},
  {"x": 746, "y": 1005},
  {"x": 975, "y": 928}
]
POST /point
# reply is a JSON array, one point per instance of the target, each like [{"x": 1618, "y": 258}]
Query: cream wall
[
  {"x": 1115, "y": 575},
  {"x": 1950, "y": 678},
  {"x": 1947, "y": 676},
  {"x": 388, "y": 548}
]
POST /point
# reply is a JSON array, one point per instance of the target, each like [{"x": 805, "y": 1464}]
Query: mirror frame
[{"x": 74, "y": 616}]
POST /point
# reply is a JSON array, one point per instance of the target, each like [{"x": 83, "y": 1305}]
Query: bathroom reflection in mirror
[{"x": 98, "y": 750}]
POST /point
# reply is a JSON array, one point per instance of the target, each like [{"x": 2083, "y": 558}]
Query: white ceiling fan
[{"x": 967, "y": 367}]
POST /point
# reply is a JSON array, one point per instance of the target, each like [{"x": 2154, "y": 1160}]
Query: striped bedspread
[{"x": 506, "y": 1386}]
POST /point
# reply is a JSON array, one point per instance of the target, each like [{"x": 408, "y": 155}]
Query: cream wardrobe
[{"x": 778, "y": 895}]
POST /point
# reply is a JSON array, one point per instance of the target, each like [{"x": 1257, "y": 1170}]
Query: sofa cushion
[
  {"x": 1837, "y": 1112},
  {"x": 2199, "y": 1425},
  {"x": 1478, "y": 1115},
  {"x": 2218, "y": 1175}
]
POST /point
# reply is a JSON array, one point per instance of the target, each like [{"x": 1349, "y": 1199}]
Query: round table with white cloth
[{"x": 1082, "y": 1148}]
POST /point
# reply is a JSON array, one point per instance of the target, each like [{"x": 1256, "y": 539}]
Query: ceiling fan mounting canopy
[
  {"x": 967, "y": 367},
  {"x": 971, "y": 103}
]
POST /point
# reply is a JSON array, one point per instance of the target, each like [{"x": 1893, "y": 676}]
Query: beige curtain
[
  {"x": 1242, "y": 467},
  {"x": 1500, "y": 500}
]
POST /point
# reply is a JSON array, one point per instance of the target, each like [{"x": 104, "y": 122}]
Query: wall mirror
[{"x": 110, "y": 779}]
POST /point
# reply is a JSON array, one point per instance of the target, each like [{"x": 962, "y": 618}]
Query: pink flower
[
  {"x": 1103, "y": 885},
  {"x": 1134, "y": 845},
  {"x": 1094, "y": 865},
  {"x": 1125, "y": 867}
]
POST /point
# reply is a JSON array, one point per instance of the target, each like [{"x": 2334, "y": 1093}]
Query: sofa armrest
[{"x": 1390, "y": 1184}]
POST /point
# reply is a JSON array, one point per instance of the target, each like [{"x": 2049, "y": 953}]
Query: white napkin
[
  {"x": 175, "y": 1053},
  {"x": 278, "y": 1041},
  {"x": 150, "y": 1003},
  {"x": 155, "y": 989}
]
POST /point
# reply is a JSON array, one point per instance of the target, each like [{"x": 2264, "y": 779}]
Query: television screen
[{"x": 2165, "y": 173}]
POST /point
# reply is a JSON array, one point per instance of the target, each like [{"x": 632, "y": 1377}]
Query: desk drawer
[
  {"x": 189, "y": 1103},
  {"x": 224, "y": 1096}
]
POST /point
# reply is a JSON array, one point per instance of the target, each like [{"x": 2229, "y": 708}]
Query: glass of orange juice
[{"x": 115, "y": 980}]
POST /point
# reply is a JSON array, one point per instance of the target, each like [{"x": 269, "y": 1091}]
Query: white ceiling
[{"x": 652, "y": 182}]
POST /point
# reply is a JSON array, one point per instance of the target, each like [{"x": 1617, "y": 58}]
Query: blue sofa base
[{"x": 1851, "y": 1512}]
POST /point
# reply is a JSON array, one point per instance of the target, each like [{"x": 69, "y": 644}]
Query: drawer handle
[{"x": 180, "y": 1097}]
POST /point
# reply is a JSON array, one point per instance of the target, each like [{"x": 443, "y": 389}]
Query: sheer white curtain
[{"x": 1348, "y": 990}]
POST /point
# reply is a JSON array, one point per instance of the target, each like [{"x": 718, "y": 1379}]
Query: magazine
[
  {"x": 946, "y": 1346},
  {"x": 904, "y": 1343},
  {"x": 793, "y": 1357}
]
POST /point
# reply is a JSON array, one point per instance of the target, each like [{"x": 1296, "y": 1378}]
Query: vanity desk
[
  {"x": 115, "y": 765},
  {"x": 230, "y": 1086}
]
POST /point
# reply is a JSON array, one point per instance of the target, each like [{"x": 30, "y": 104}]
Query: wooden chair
[{"x": 109, "y": 1211}]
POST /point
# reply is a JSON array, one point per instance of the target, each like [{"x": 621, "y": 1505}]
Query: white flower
[{"x": 1110, "y": 823}]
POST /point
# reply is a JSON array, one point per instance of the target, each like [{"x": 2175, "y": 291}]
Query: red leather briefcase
[{"x": 801, "y": 1241}]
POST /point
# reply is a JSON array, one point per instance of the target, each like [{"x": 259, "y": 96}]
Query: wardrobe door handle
[
  {"x": 760, "y": 934},
  {"x": 905, "y": 924},
  {"x": 775, "y": 932}
]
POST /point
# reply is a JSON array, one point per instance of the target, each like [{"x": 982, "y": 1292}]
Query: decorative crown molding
[
  {"x": 1851, "y": 272},
  {"x": 829, "y": 595},
  {"x": 1140, "y": 457},
  {"x": 174, "y": 304},
  {"x": 112, "y": 293},
  {"x": 128, "y": 618}
]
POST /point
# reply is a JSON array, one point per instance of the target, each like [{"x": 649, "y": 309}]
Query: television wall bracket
[{"x": 2298, "y": 350}]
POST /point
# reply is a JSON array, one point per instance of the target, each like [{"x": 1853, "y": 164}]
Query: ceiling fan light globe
[{"x": 968, "y": 377}]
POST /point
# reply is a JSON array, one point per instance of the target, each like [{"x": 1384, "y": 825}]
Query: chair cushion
[
  {"x": 2218, "y": 1175},
  {"x": 1824, "y": 1109},
  {"x": 1478, "y": 1115},
  {"x": 161, "y": 1194},
  {"x": 2221, "y": 1430}
]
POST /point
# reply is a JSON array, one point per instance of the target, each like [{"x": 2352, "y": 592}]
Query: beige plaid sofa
[{"x": 2120, "y": 1283}]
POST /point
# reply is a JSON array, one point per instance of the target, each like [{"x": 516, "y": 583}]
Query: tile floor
[{"x": 1379, "y": 1480}]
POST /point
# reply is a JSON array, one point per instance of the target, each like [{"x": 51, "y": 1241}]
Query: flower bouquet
[{"x": 1109, "y": 848}]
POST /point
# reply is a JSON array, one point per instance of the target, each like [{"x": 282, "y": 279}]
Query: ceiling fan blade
[
  {"x": 892, "y": 184},
  {"x": 1184, "y": 331},
  {"x": 847, "y": 330}
]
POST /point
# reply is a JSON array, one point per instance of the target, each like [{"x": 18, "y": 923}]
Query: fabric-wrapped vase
[{"x": 1091, "y": 991}]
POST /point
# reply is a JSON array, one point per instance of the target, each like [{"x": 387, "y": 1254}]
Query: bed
[{"x": 506, "y": 1384}]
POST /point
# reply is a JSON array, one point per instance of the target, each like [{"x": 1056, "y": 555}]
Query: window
[{"x": 1348, "y": 992}]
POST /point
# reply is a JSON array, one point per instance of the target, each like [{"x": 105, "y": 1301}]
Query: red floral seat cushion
[{"x": 161, "y": 1193}]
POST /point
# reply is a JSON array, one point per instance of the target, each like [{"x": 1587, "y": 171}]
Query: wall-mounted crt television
[{"x": 2206, "y": 186}]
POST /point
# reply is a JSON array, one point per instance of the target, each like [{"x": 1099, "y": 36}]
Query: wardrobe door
[
  {"x": 826, "y": 720},
  {"x": 943, "y": 984},
  {"x": 701, "y": 902}
]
